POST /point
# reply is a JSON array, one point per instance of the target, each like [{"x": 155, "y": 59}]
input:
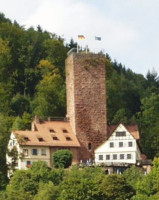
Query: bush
[{"x": 62, "y": 158}]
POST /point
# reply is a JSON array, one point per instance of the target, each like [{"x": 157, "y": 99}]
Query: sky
[{"x": 129, "y": 29}]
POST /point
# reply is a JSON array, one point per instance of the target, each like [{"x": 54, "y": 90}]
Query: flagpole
[
  {"x": 77, "y": 48},
  {"x": 86, "y": 49}
]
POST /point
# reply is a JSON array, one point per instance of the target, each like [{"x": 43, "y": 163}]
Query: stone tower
[{"x": 86, "y": 100}]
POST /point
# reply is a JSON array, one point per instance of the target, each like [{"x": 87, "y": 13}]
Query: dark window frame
[
  {"x": 34, "y": 152},
  {"x": 129, "y": 156},
  {"x": 114, "y": 156},
  {"x": 121, "y": 144},
  {"x": 111, "y": 144},
  {"x": 121, "y": 156},
  {"x": 107, "y": 157},
  {"x": 130, "y": 144},
  {"x": 100, "y": 157},
  {"x": 120, "y": 133}
]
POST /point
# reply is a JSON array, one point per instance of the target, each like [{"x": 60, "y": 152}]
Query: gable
[{"x": 120, "y": 133}]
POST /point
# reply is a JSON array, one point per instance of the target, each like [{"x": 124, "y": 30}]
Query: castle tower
[{"x": 86, "y": 100}]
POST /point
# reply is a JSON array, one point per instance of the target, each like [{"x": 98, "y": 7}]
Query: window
[
  {"x": 114, "y": 156},
  {"x": 26, "y": 138},
  {"x": 128, "y": 156},
  {"x": 28, "y": 163},
  {"x": 43, "y": 152},
  {"x": 52, "y": 131},
  {"x": 68, "y": 138},
  {"x": 41, "y": 139},
  {"x": 89, "y": 146},
  {"x": 13, "y": 142},
  {"x": 55, "y": 138},
  {"x": 121, "y": 156},
  {"x": 25, "y": 152},
  {"x": 107, "y": 157},
  {"x": 65, "y": 131},
  {"x": 34, "y": 152},
  {"x": 130, "y": 144},
  {"x": 120, "y": 133},
  {"x": 111, "y": 144},
  {"x": 120, "y": 144},
  {"x": 100, "y": 157}
]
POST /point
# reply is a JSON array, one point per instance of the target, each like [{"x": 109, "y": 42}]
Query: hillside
[{"x": 32, "y": 82}]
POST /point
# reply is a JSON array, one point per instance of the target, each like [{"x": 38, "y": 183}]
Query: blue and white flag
[{"x": 97, "y": 38}]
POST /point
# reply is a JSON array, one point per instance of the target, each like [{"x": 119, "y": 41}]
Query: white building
[
  {"x": 41, "y": 142},
  {"x": 121, "y": 147}
]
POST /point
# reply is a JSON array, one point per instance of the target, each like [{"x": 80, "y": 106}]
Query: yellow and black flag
[{"x": 81, "y": 37}]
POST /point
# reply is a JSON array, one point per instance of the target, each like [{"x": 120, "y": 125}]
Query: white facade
[
  {"x": 120, "y": 148},
  {"x": 27, "y": 154}
]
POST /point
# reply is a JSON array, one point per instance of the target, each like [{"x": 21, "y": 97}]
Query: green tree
[
  {"x": 133, "y": 176},
  {"x": 62, "y": 158},
  {"x": 47, "y": 191},
  {"x": 115, "y": 187},
  {"x": 22, "y": 123},
  {"x": 148, "y": 120},
  {"x": 56, "y": 53},
  {"x": 50, "y": 98},
  {"x": 20, "y": 104},
  {"x": 82, "y": 184}
]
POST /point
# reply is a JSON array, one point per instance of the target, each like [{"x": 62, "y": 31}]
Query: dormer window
[
  {"x": 65, "y": 131},
  {"x": 68, "y": 138},
  {"x": 55, "y": 138},
  {"x": 41, "y": 139},
  {"x": 26, "y": 139},
  {"x": 52, "y": 131}
]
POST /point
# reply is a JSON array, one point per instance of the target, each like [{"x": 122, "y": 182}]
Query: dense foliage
[
  {"x": 40, "y": 182},
  {"x": 62, "y": 158},
  {"x": 32, "y": 82}
]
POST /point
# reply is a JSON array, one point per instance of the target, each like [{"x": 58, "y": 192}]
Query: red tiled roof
[
  {"x": 133, "y": 129},
  {"x": 62, "y": 139}
]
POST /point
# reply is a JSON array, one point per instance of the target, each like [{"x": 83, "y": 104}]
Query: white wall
[
  {"x": 21, "y": 163},
  {"x": 34, "y": 158},
  {"x": 130, "y": 153}
]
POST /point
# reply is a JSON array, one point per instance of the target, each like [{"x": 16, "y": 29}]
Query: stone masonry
[{"x": 86, "y": 100}]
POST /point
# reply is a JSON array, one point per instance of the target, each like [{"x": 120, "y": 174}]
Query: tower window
[{"x": 89, "y": 146}]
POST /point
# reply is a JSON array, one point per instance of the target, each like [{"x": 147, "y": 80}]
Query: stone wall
[{"x": 86, "y": 100}]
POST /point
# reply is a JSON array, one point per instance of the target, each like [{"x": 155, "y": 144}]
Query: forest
[{"x": 32, "y": 82}]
